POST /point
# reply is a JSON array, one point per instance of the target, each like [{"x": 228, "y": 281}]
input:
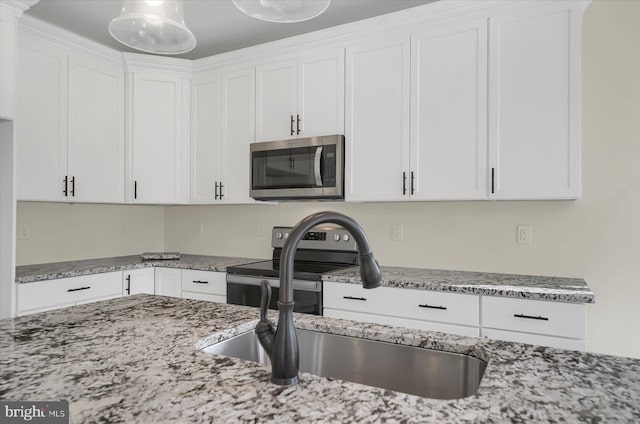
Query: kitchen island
[{"x": 137, "y": 359}]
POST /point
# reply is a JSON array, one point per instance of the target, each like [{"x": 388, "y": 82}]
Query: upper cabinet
[
  {"x": 70, "y": 125},
  {"x": 158, "y": 105},
  {"x": 377, "y": 119},
  {"x": 449, "y": 112},
  {"x": 534, "y": 103},
  {"x": 222, "y": 124},
  {"x": 300, "y": 97}
]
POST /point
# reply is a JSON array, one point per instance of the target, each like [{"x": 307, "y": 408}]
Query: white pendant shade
[
  {"x": 153, "y": 26},
  {"x": 282, "y": 10}
]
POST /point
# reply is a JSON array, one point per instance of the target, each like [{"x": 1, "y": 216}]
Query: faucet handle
[{"x": 265, "y": 299}]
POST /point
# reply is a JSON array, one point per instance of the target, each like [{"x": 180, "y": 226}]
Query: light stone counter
[{"x": 135, "y": 359}]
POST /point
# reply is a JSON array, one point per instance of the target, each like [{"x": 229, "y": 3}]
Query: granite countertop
[
  {"x": 50, "y": 271},
  {"x": 135, "y": 359},
  {"x": 572, "y": 290}
]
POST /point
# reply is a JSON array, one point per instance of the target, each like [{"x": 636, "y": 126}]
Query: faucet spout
[{"x": 282, "y": 347}]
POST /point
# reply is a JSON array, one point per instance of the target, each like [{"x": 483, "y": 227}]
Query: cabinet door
[
  {"x": 534, "y": 108},
  {"x": 377, "y": 119},
  {"x": 448, "y": 111},
  {"x": 205, "y": 137},
  {"x": 96, "y": 131},
  {"x": 41, "y": 121},
  {"x": 138, "y": 281},
  {"x": 8, "y": 63},
  {"x": 238, "y": 106},
  {"x": 276, "y": 88},
  {"x": 321, "y": 93},
  {"x": 156, "y": 137},
  {"x": 168, "y": 282}
]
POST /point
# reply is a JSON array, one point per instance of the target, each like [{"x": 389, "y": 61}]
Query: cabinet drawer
[
  {"x": 50, "y": 294},
  {"x": 534, "y": 316},
  {"x": 424, "y": 305},
  {"x": 535, "y": 339},
  {"x": 203, "y": 296},
  {"x": 207, "y": 282},
  {"x": 403, "y": 322}
]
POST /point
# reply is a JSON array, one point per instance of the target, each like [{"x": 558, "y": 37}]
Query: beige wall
[
  {"x": 62, "y": 232},
  {"x": 596, "y": 238}
]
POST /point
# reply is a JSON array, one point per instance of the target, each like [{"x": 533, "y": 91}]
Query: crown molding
[
  {"x": 67, "y": 40},
  {"x": 16, "y": 7},
  {"x": 135, "y": 62}
]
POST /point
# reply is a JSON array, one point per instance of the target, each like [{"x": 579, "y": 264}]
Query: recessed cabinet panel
[
  {"x": 138, "y": 281},
  {"x": 321, "y": 93},
  {"x": 96, "y": 131},
  {"x": 276, "y": 100},
  {"x": 448, "y": 126},
  {"x": 377, "y": 119},
  {"x": 205, "y": 137},
  {"x": 534, "y": 103},
  {"x": 41, "y": 121},
  {"x": 168, "y": 282}
]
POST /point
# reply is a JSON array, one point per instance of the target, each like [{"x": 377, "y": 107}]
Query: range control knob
[
  {"x": 346, "y": 237},
  {"x": 286, "y": 235},
  {"x": 336, "y": 237},
  {"x": 278, "y": 236}
]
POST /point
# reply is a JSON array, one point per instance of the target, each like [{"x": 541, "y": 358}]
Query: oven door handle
[
  {"x": 316, "y": 166},
  {"x": 303, "y": 285}
]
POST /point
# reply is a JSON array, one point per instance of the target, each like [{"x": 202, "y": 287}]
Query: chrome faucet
[{"x": 281, "y": 344}]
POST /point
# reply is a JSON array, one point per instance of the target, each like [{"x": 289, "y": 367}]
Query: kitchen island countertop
[{"x": 136, "y": 359}]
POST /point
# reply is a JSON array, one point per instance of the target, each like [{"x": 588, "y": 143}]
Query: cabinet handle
[
  {"x": 404, "y": 183},
  {"x": 135, "y": 189},
  {"x": 413, "y": 177},
  {"x": 78, "y": 289},
  {"x": 354, "y": 298},
  {"x": 493, "y": 172},
  {"x": 66, "y": 186},
  {"x": 129, "y": 284},
  {"x": 200, "y": 282},
  {"x": 292, "y": 132},
  {"x": 531, "y": 317},
  {"x": 215, "y": 197},
  {"x": 73, "y": 186},
  {"x": 298, "y": 124},
  {"x": 442, "y": 308},
  {"x": 221, "y": 187}
]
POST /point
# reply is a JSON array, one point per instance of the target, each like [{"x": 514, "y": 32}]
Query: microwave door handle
[{"x": 316, "y": 166}]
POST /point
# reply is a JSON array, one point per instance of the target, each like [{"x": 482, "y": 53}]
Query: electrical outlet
[
  {"x": 524, "y": 234},
  {"x": 24, "y": 231},
  {"x": 396, "y": 232},
  {"x": 123, "y": 229},
  {"x": 260, "y": 230},
  {"x": 198, "y": 228}
]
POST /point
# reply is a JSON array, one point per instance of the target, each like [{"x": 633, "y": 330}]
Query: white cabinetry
[
  {"x": 157, "y": 135},
  {"x": 534, "y": 102},
  {"x": 419, "y": 309},
  {"x": 555, "y": 324},
  {"x": 9, "y": 14},
  {"x": 448, "y": 112},
  {"x": 301, "y": 97},
  {"x": 204, "y": 285},
  {"x": 168, "y": 282},
  {"x": 138, "y": 281},
  {"x": 377, "y": 118},
  {"x": 70, "y": 126},
  {"x": 52, "y": 294}
]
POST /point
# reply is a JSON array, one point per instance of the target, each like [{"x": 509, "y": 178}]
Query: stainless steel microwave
[{"x": 304, "y": 168}]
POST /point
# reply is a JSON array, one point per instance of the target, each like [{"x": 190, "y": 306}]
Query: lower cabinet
[
  {"x": 555, "y": 324},
  {"x": 204, "y": 285},
  {"x": 138, "y": 281},
  {"x": 168, "y": 282},
  {"x": 52, "y": 294},
  {"x": 418, "y": 309}
]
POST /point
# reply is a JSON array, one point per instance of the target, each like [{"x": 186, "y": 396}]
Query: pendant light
[
  {"x": 153, "y": 26},
  {"x": 282, "y": 11}
]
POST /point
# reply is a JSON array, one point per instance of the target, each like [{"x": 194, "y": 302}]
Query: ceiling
[{"x": 217, "y": 24}]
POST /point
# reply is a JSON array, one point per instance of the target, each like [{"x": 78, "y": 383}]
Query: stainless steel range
[{"x": 322, "y": 250}]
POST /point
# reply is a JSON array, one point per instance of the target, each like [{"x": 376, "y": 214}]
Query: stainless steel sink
[{"x": 407, "y": 369}]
